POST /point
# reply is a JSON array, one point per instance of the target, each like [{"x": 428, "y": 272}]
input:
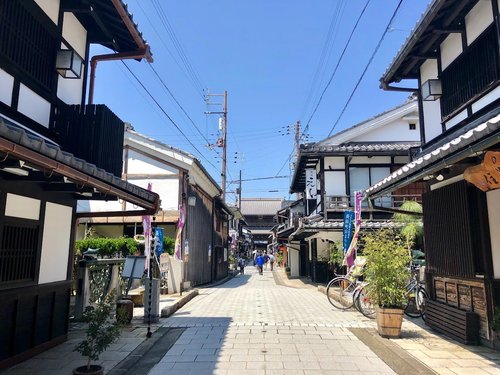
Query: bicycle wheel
[
  {"x": 364, "y": 304},
  {"x": 340, "y": 293},
  {"x": 415, "y": 308}
]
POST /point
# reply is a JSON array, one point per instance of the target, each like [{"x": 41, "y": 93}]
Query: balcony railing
[
  {"x": 346, "y": 202},
  {"x": 93, "y": 133}
]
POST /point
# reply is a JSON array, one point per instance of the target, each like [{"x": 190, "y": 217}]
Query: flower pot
[
  {"x": 93, "y": 370},
  {"x": 389, "y": 321},
  {"x": 124, "y": 310}
]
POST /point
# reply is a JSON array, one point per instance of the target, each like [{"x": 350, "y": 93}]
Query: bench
[
  {"x": 137, "y": 296},
  {"x": 460, "y": 325}
]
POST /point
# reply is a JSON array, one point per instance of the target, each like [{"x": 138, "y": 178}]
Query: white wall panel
[
  {"x": 141, "y": 164},
  {"x": 432, "y": 119},
  {"x": 335, "y": 183},
  {"x": 34, "y": 106},
  {"x": 401, "y": 159},
  {"x": 70, "y": 91},
  {"x": 372, "y": 160},
  {"x": 334, "y": 162},
  {"x": 493, "y": 200},
  {"x": 451, "y": 48},
  {"x": 55, "y": 243},
  {"x": 478, "y": 19},
  {"x": 168, "y": 190},
  {"x": 74, "y": 33},
  {"x": 429, "y": 70},
  {"x": 396, "y": 131},
  {"x": 485, "y": 100},
  {"x": 22, "y": 207},
  {"x": 6, "y": 87},
  {"x": 50, "y": 7},
  {"x": 456, "y": 119}
]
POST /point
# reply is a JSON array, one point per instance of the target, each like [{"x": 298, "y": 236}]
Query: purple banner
[{"x": 348, "y": 229}]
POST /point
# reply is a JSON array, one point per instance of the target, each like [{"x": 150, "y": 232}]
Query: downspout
[
  {"x": 143, "y": 50},
  {"x": 386, "y": 87}
]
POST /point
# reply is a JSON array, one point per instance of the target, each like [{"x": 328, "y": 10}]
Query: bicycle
[
  {"x": 416, "y": 295},
  {"x": 363, "y": 303}
]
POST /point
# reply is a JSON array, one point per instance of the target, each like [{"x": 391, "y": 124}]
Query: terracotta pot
[
  {"x": 389, "y": 322},
  {"x": 124, "y": 310},
  {"x": 93, "y": 370}
]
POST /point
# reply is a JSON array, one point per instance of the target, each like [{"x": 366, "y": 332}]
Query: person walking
[
  {"x": 260, "y": 263},
  {"x": 272, "y": 259},
  {"x": 241, "y": 263},
  {"x": 266, "y": 260}
]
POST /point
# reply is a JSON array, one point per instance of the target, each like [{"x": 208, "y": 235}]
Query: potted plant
[
  {"x": 387, "y": 273},
  {"x": 101, "y": 332}
]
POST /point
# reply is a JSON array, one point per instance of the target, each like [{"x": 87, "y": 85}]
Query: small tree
[
  {"x": 412, "y": 224},
  {"x": 102, "y": 330},
  {"x": 386, "y": 268}
]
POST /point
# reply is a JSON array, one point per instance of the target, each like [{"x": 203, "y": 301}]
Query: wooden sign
[{"x": 485, "y": 176}]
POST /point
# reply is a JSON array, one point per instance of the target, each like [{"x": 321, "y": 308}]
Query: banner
[
  {"x": 348, "y": 228},
  {"x": 146, "y": 226},
  {"x": 351, "y": 252},
  {"x": 158, "y": 232},
  {"x": 178, "y": 236}
]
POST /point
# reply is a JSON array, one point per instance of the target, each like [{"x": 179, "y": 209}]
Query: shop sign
[{"x": 485, "y": 176}]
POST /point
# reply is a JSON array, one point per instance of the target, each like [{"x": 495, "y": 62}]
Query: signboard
[
  {"x": 164, "y": 262},
  {"x": 485, "y": 176},
  {"x": 134, "y": 267},
  {"x": 311, "y": 189}
]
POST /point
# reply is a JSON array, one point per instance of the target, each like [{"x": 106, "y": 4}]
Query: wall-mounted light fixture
[
  {"x": 192, "y": 201},
  {"x": 69, "y": 64},
  {"x": 431, "y": 90}
]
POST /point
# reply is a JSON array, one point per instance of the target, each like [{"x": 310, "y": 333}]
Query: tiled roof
[
  {"x": 360, "y": 147},
  {"x": 472, "y": 141},
  {"x": 260, "y": 206},
  {"x": 34, "y": 142},
  {"x": 339, "y": 224}
]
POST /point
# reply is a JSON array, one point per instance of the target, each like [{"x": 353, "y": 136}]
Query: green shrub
[
  {"x": 168, "y": 245},
  {"x": 387, "y": 273},
  {"x": 107, "y": 246}
]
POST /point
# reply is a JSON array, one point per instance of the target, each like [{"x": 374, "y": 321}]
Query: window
[
  {"x": 412, "y": 126},
  {"x": 18, "y": 252},
  {"x": 361, "y": 178}
]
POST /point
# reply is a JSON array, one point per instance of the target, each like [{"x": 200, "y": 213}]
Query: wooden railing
[{"x": 345, "y": 202}]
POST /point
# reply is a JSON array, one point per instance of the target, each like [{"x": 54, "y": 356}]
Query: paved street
[{"x": 250, "y": 325}]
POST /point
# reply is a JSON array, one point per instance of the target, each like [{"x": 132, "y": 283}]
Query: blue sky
[{"x": 265, "y": 53}]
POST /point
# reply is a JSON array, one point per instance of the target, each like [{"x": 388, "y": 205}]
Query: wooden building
[
  {"x": 54, "y": 150},
  {"x": 260, "y": 216},
  {"x": 328, "y": 173},
  {"x": 451, "y": 60}
]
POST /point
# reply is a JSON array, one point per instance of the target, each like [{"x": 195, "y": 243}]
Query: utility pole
[
  {"x": 221, "y": 142},
  {"x": 297, "y": 149},
  {"x": 239, "y": 193}
]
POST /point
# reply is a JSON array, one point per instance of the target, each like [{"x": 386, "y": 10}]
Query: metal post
[{"x": 224, "y": 145}]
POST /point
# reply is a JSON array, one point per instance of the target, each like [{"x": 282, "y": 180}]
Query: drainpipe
[
  {"x": 139, "y": 54},
  {"x": 386, "y": 87}
]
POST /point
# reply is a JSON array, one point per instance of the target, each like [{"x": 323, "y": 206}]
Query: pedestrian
[
  {"x": 241, "y": 263},
  {"x": 266, "y": 260},
  {"x": 260, "y": 263},
  {"x": 272, "y": 259}
]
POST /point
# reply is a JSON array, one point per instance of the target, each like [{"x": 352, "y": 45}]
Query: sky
[{"x": 274, "y": 58}]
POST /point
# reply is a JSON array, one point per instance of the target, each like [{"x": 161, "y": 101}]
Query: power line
[
  {"x": 167, "y": 115},
  {"x": 367, "y": 65},
  {"x": 336, "y": 66},
  {"x": 258, "y": 179}
]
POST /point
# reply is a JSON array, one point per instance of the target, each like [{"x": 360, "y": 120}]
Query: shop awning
[
  {"x": 474, "y": 140},
  {"x": 42, "y": 158}
]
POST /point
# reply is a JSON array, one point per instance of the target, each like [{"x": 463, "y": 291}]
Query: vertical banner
[
  {"x": 347, "y": 230},
  {"x": 178, "y": 236},
  {"x": 146, "y": 225},
  {"x": 311, "y": 189},
  {"x": 351, "y": 252},
  {"x": 158, "y": 233}
]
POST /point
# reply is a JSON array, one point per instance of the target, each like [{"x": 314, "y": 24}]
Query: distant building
[{"x": 260, "y": 215}]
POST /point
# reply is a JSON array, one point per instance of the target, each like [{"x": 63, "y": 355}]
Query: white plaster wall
[
  {"x": 456, "y": 119},
  {"x": 6, "y": 86},
  {"x": 50, "y": 7},
  {"x": 70, "y": 90},
  {"x": 141, "y": 164},
  {"x": 493, "y": 200},
  {"x": 322, "y": 250},
  {"x": 429, "y": 70},
  {"x": 22, "y": 207},
  {"x": 168, "y": 190},
  {"x": 432, "y": 119},
  {"x": 395, "y": 131},
  {"x": 111, "y": 231},
  {"x": 293, "y": 261},
  {"x": 74, "y": 33},
  {"x": 99, "y": 206},
  {"x": 335, "y": 183},
  {"x": 34, "y": 106},
  {"x": 451, "y": 48},
  {"x": 478, "y": 19},
  {"x": 55, "y": 243},
  {"x": 372, "y": 160},
  {"x": 401, "y": 159},
  {"x": 334, "y": 162},
  {"x": 487, "y": 99}
]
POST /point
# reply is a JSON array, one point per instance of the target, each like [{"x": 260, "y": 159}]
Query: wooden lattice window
[
  {"x": 18, "y": 253},
  {"x": 27, "y": 43}
]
